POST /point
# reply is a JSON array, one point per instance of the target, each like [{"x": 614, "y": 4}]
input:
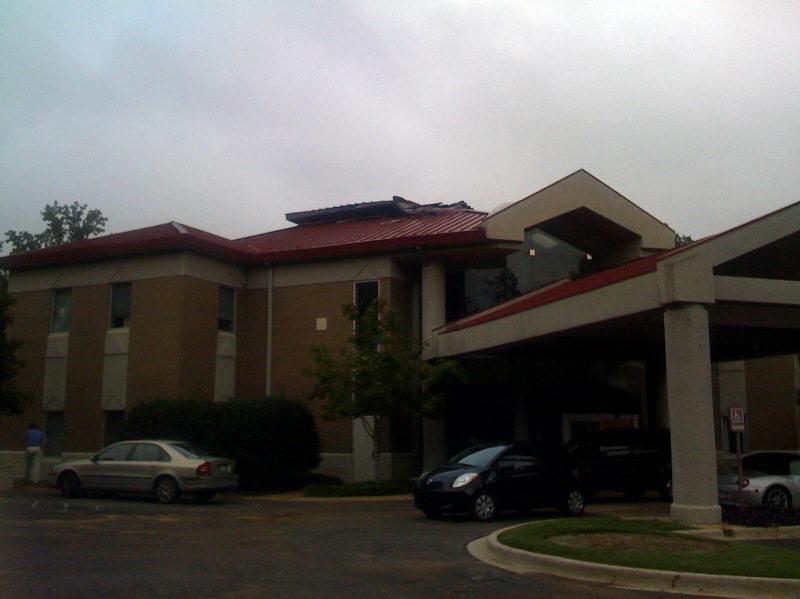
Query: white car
[
  {"x": 769, "y": 478},
  {"x": 164, "y": 469}
]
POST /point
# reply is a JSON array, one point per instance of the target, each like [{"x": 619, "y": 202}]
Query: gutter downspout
[{"x": 270, "y": 297}]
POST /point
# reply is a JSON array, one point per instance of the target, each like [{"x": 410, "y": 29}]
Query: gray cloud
[{"x": 225, "y": 116}]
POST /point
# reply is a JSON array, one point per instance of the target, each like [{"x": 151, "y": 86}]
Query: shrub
[
  {"x": 765, "y": 516},
  {"x": 363, "y": 489},
  {"x": 274, "y": 440}
]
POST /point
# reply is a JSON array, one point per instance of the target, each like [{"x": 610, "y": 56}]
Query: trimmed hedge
[{"x": 274, "y": 440}]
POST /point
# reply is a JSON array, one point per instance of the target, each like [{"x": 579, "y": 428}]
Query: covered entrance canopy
[{"x": 733, "y": 296}]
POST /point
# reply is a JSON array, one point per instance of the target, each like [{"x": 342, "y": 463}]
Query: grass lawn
[{"x": 650, "y": 544}]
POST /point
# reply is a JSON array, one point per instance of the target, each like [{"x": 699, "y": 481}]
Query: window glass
[
  {"x": 227, "y": 305},
  {"x": 120, "y": 305},
  {"x": 541, "y": 260},
  {"x": 189, "y": 451},
  {"x": 478, "y": 456},
  {"x": 116, "y": 453},
  {"x": 366, "y": 292},
  {"x": 147, "y": 452},
  {"x": 62, "y": 301}
]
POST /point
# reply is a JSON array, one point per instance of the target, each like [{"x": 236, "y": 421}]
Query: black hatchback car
[{"x": 485, "y": 479}]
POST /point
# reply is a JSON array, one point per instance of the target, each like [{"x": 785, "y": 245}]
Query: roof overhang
[{"x": 747, "y": 278}]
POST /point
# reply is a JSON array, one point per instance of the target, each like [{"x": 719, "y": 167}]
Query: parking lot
[{"x": 251, "y": 546}]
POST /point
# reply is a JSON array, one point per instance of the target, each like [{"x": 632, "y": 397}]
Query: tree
[
  {"x": 65, "y": 223},
  {"x": 379, "y": 373}
]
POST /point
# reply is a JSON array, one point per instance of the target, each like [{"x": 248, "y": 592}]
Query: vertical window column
[
  {"x": 55, "y": 367},
  {"x": 115, "y": 360},
  {"x": 225, "y": 376}
]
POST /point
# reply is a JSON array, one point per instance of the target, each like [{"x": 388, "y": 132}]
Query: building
[{"x": 572, "y": 309}]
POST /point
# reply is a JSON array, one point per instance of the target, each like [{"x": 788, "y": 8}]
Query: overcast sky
[{"x": 227, "y": 115}]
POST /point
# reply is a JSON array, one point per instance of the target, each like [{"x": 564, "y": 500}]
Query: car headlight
[{"x": 464, "y": 479}]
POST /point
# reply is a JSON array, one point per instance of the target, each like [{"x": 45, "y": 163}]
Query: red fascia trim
[{"x": 596, "y": 281}]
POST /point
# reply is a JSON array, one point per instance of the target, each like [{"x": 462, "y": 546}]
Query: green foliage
[
  {"x": 12, "y": 400},
  {"x": 379, "y": 372},
  {"x": 362, "y": 489},
  {"x": 274, "y": 441},
  {"x": 65, "y": 223}
]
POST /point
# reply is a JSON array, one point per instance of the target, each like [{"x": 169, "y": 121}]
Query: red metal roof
[
  {"x": 428, "y": 228},
  {"x": 442, "y": 227},
  {"x": 160, "y": 238}
]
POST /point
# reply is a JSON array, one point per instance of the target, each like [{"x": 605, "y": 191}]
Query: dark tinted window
[
  {"x": 147, "y": 452},
  {"x": 769, "y": 463},
  {"x": 115, "y": 453}
]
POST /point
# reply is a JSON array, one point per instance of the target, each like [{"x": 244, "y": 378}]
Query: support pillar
[
  {"x": 434, "y": 432},
  {"x": 691, "y": 415}
]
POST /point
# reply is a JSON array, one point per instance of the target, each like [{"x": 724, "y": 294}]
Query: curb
[{"x": 491, "y": 551}]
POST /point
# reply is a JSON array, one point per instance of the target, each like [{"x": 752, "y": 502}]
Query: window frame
[
  {"x": 120, "y": 318},
  {"x": 60, "y": 324},
  {"x": 226, "y": 322}
]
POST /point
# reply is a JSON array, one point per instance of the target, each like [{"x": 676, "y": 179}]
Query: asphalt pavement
[{"x": 241, "y": 546}]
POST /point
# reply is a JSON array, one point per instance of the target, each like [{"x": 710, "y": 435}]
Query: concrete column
[
  {"x": 433, "y": 299},
  {"x": 691, "y": 415},
  {"x": 434, "y": 432}
]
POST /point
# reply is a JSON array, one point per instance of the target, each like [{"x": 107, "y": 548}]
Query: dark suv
[{"x": 631, "y": 461}]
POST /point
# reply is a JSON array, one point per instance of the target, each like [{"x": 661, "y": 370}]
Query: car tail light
[
  {"x": 745, "y": 482},
  {"x": 204, "y": 469}
]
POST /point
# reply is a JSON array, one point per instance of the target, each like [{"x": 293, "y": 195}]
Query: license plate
[{"x": 225, "y": 468}]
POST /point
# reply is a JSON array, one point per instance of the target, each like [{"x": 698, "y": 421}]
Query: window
[
  {"x": 120, "y": 306},
  {"x": 366, "y": 292},
  {"x": 62, "y": 301},
  {"x": 147, "y": 452},
  {"x": 117, "y": 453},
  {"x": 227, "y": 308}
]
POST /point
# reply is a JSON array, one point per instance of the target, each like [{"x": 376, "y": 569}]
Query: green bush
[
  {"x": 274, "y": 441},
  {"x": 363, "y": 489}
]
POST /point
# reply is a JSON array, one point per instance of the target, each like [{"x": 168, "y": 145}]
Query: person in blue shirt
[{"x": 34, "y": 443}]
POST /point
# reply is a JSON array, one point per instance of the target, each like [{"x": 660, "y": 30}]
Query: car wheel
[
  {"x": 166, "y": 490},
  {"x": 574, "y": 503},
  {"x": 779, "y": 497},
  {"x": 433, "y": 514},
  {"x": 482, "y": 507},
  {"x": 203, "y": 497},
  {"x": 70, "y": 484}
]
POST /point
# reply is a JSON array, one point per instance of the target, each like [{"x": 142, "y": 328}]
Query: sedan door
[
  {"x": 107, "y": 470},
  {"x": 144, "y": 464}
]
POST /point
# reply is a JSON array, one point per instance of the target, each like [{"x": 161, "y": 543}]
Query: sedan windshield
[{"x": 478, "y": 456}]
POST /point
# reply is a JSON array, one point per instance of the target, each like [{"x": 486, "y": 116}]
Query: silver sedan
[
  {"x": 770, "y": 477},
  {"x": 164, "y": 469}
]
